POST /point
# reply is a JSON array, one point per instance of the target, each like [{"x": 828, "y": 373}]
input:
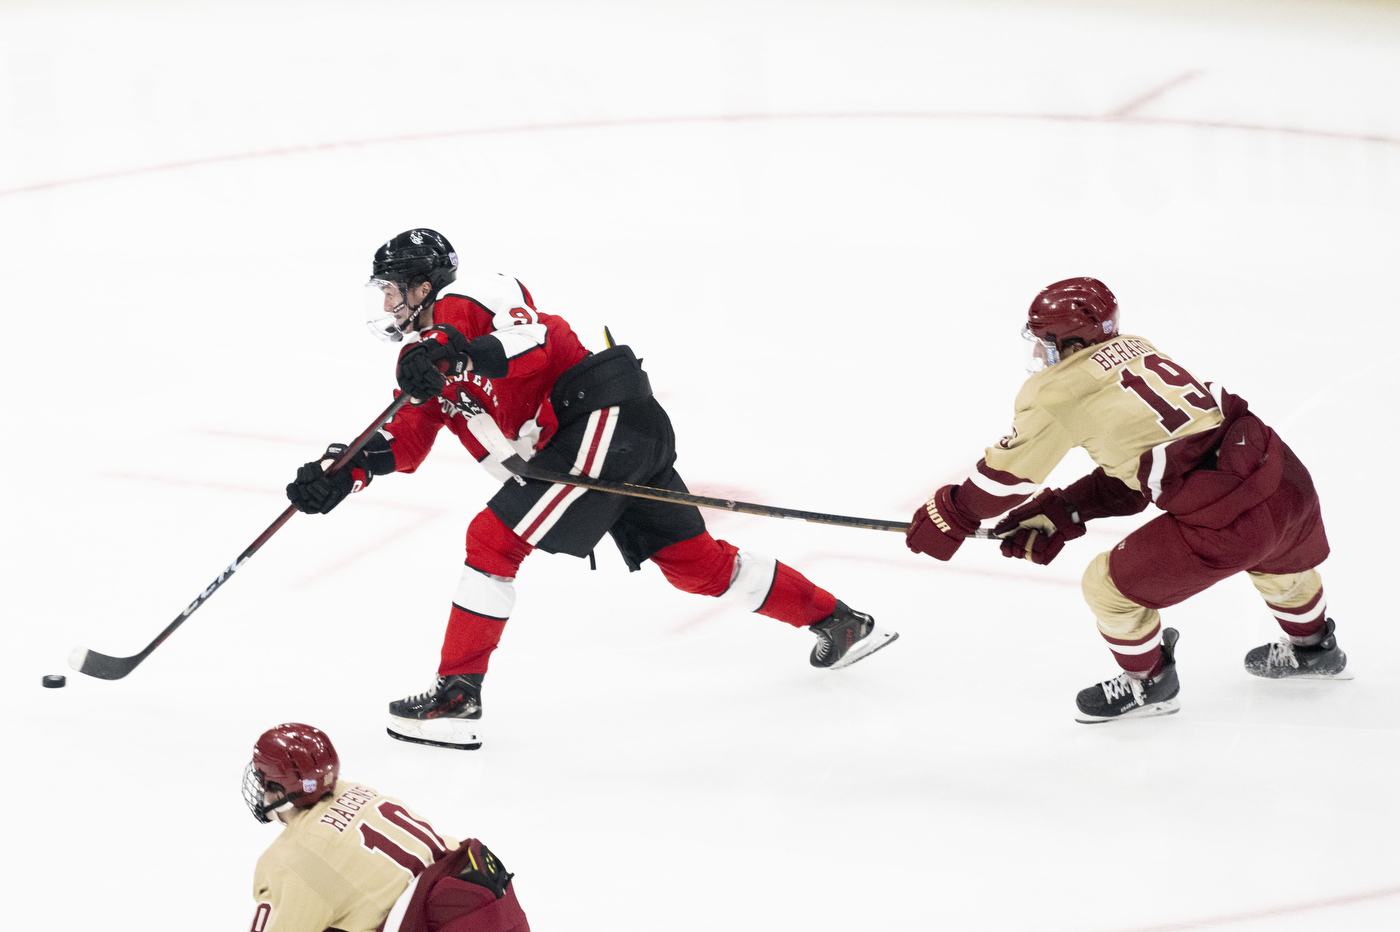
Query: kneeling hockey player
[
  {"x": 506, "y": 379},
  {"x": 348, "y": 852},
  {"x": 1236, "y": 499}
]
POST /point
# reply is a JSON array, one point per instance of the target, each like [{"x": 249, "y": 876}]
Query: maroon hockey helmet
[
  {"x": 1076, "y": 311},
  {"x": 292, "y": 765}
]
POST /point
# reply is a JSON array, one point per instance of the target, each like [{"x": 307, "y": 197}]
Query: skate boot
[
  {"x": 1126, "y": 696},
  {"x": 1284, "y": 659},
  {"x": 845, "y": 636},
  {"x": 446, "y": 716}
]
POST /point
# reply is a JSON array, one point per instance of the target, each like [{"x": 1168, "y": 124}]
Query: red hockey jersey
[{"x": 524, "y": 353}]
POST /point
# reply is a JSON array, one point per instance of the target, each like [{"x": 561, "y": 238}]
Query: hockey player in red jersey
[
  {"x": 505, "y": 378},
  {"x": 348, "y": 852},
  {"x": 1235, "y": 498}
]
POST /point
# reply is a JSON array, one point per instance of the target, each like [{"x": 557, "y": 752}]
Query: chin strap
[
  {"x": 267, "y": 809},
  {"x": 410, "y": 324}
]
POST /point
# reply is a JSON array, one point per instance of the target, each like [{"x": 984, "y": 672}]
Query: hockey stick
[
  {"x": 114, "y": 668},
  {"x": 528, "y": 470}
]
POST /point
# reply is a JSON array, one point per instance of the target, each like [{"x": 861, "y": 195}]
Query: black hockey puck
[{"x": 55, "y": 681}]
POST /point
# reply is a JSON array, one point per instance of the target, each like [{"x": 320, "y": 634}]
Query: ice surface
[{"x": 820, "y": 225}]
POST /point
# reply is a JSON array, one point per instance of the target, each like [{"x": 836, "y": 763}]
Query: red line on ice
[
  {"x": 1142, "y": 100},
  {"x": 702, "y": 119},
  {"x": 1270, "y": 911}
]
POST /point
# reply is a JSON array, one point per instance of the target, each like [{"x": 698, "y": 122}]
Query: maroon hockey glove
[
  {"x": 424, "y": 366},
  {"x": 1053, "y": 522},
  {"x": 316, "y": 491},
  {"x": 939, "y": 528}
]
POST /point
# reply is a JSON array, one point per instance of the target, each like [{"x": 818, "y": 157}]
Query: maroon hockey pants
[
  {"x": 701, "y": 565},
  {"x": 1167, "y": 561}
]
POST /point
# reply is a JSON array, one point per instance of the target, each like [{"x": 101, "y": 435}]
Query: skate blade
[
  {"x": 459, "y": 734},
  {"x": 1343, "y": 675},
  {"x": 875, "y": 640},
  {"x": 1166, "y": 707}
]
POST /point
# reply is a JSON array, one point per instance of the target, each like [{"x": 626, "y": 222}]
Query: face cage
[
  {"x": 255, "y": 794},
  {"x": 1040, "y": 354},
  {"x": 385, "y": 325}
]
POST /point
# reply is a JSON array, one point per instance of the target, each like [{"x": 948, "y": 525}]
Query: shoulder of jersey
[{"x": 496, "y": 292}]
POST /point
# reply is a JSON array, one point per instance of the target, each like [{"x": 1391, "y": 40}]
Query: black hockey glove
[
  {"x": 421, "y": 371},
  {"x": 316, "y": 491}
]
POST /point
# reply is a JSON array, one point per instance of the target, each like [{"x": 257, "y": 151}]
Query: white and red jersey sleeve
[
  {"x": 517, "y": 355},
  {"x": 510, "y": 342}
]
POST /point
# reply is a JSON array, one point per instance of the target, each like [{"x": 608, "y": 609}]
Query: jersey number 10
[{"x": 397, "y": 815}]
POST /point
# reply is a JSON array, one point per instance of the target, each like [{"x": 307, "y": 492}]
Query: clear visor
[
  {"x": 1040, "y": 354},
  {"x": 387, "y": 314}
]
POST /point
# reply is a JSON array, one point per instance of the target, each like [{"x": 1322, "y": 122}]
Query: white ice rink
[{"x": 820, "y": 224}]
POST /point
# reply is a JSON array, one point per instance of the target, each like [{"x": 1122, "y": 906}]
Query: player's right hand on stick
[
  {"x": 423, "y": 366},
  {"x": 316, "y": 491},
  {"x": 1042, "y": 527},
  {"x": 938, "y": 528}
]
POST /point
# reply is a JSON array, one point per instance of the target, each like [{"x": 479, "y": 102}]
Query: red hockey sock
[
  {"x": 1139, "y": 657},
  {"x": 494, "y": 548},
  {"x": 705, "y": 566},
  {"x": 701, "y": 565},
  {"x": 1303, "y": 623},
  {"x": 796, "y": 600},
  {"x": 469, "y": 641},
  {"x": 484, "y": 597}
]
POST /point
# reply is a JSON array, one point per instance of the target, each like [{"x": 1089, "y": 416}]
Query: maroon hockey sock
[
  {"x": 1304, "y": 623},
  {"x": 796, "y": 600},
  {"x": 1139, "y": 657},
  {"x": 470, "y": 639}
]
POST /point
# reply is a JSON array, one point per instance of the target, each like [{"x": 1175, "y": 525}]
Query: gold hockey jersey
[
  {"x": 343, "y": 863},
  {"x": 1123, "y": 401}
]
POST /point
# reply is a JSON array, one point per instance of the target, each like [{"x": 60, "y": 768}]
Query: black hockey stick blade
[
  {"x": 528, "y": 470},
  {"x": 105, "y": 667}
]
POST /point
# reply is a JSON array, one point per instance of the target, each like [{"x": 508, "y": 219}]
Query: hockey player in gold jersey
[
  {"x": 348, "y": 852},
  {"x": 1234, "y": 495}
]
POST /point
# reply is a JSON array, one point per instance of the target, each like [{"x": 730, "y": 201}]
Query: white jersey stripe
[
  {"x": 993, "y": 487},
  {"x": 1159, "y": 467}
]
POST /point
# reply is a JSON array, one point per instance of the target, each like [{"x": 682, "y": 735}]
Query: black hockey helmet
[
  {"x": 400, "y": 265},
  {"x": 416, "y": 256}
]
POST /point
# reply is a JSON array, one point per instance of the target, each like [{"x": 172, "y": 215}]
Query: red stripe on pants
[{"x": 598, "y": 431}]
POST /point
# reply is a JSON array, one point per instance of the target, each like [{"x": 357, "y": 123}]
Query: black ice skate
[
  {"x": 845, "y": 636},
  {"x": 446, "y": 716},
  {"x": 1284, "y": 659},
  {"x": 1125, "y": 696}
]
